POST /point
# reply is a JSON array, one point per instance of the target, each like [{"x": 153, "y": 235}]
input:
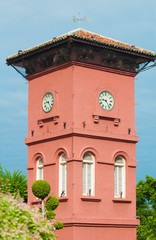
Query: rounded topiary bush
[
  {"x": 50, "y": 215},
  {"x": 52, "y": 203},
  {"x": 41, "y": 189},
  {"x": 58, "y": 225}
]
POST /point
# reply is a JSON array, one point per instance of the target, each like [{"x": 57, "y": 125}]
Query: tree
[
  {"x": 146, "y": 208},
  {"x": 14, "y": 183},
  {"x": 41, "y": 190}
]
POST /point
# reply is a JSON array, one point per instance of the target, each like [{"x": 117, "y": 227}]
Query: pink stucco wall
[{"x": 75, "y": 90}]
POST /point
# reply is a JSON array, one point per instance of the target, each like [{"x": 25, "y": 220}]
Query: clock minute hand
[{"x": 106, "y": 102}]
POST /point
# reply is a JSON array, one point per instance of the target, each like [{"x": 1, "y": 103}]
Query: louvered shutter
[
  {"x": 40, "y": 174},
  {"x": 62, "y": 175},
  {"x": 39, "y": 169},
  {"x": 88, "y": 174},
  {"x": 89, "y": 180},
  {"x": 119, "y": 177},
  {"x": 84, "y": 180},
  {"x": 115, "y": 182}
]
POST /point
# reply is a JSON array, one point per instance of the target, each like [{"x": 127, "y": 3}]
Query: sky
[{"x": 26, "y": 23}]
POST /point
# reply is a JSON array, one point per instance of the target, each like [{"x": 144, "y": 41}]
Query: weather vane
[{"x": 80, "y": 19}]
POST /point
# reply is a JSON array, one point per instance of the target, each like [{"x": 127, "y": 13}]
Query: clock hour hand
[
  {"x": 49, "y": 104},
  {"x": 105, "y": 100}
]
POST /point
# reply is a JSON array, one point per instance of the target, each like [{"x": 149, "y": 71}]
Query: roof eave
[{"x": 56, "y": 42}]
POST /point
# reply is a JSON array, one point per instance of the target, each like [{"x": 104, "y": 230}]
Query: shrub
[
  {"x": 58, "y": 225},
  {"x": 18, "y": 221},
  {"x": 50, "y": 215},
  {"x": 4, "y": 185},
  {"x": 52, "y": 203},
  {"x": 14, "y": 183},
  {"x": 41, "y": 189}
]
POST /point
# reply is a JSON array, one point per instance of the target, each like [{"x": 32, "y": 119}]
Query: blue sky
[{"x": 26, "y": 23}]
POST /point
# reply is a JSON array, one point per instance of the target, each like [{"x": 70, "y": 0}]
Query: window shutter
[
  {"x": 40, "y": 170},
  {"x": 62, "y": 175},
  {"x": 119, "y": 177},
  {"x": 39, "y": 175},
  {"x": 115, "y": 182},
  {"x": 89, "y": 180},
  {"x": 84, "y": 178},
  {"x": 88, "y": 173}
]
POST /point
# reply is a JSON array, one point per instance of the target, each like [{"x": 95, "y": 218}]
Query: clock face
[
  {"x": 106, "y": 100},
  {"x": 47, "y": 102}
]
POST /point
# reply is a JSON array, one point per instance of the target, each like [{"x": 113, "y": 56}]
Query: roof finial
[{"x": 80, "y": 19}]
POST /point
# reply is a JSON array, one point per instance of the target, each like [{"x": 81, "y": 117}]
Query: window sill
[
  {"x": 36, "y": 202},
  {"x": 121, "y": 200},
  {"x": 90, "y": 199},
  {"x": 63, "y": 199}
]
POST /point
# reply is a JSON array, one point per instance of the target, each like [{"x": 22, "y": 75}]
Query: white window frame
[
  {"x": 39, "y": 169},
  {"x": 62, "y": 175},
  {"x": 119, "y": 178},
  {"x": 88, "y": 171}
]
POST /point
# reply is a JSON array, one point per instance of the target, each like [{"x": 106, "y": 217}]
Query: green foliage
[
  {"x": 41, "y": 189},
  {"x": 4, "y": 185},
  {"x": 14, "y": 183},
  {"x": 50, "y": 215},
  {"x": 52, "y": 203},
  {"x": 146, "y": 208},
  {"x": 18, "y": 221},
  {"x": 58, "y": 225}
]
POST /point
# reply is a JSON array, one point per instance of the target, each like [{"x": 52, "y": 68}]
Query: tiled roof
[
  {"x": 110, "y": 42},
  {"x": 89, "y": 37}
]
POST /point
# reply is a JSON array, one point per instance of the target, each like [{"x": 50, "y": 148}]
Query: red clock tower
[{"x": 81, "y": 130}]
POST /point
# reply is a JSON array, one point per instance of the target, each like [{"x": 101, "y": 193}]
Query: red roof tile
[
  {"x": 111, "y": 42},
  {"x": 89, "y": 37}
]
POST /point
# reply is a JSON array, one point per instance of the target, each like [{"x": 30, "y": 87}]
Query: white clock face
[
  {"x": 106, "y": 100},
  {"x": 47, "y": 102}
]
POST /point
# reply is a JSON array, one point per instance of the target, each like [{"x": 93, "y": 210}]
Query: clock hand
[
  {"x": 105, "y": 101},
  {"x": 48, "y": 103}
]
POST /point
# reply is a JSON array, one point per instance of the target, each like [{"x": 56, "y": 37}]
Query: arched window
[
  {"x": 62, "y": 175},
  {"x": 88, "y": 174},
  {"x": 119, "y": 177},
  {"x": 39, "y": 172}
]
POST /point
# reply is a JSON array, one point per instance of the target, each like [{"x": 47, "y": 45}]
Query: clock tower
[{"x": 81, "y": 130}]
